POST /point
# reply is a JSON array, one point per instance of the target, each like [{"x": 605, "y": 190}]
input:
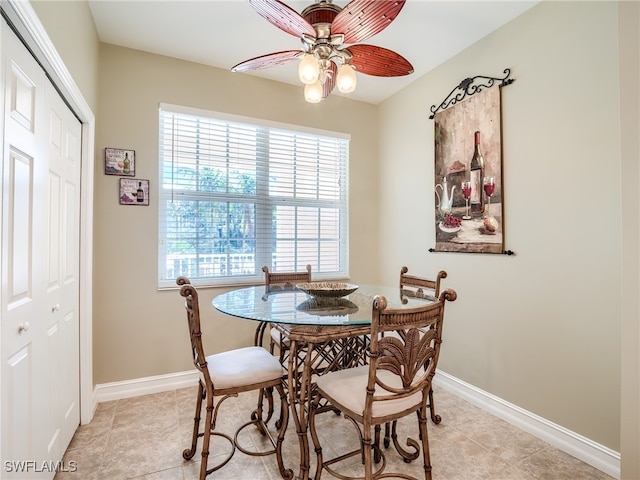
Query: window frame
[{"x": 264, "y": 203}]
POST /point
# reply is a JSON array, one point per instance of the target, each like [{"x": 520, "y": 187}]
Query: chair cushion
[
  {"x": 243, "y": 367},
  {"x": 349, "y": 388},
  {"x": 278, "y": 339}
]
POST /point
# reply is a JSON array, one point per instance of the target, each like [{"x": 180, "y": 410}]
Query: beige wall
[
  {"x": 540, "y": 329},
  {"x": 629, "y": 44},
  {"x": 70, "y": 26},
  {"x": 138, "y": 330}
]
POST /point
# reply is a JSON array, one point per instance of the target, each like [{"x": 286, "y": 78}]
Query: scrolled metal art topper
[{"x": 468, "y": 87}]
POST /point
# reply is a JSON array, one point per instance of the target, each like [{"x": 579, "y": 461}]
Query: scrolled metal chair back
[
  {"x": 192, "y": 307},
  {"x": 411, "y": 354},
  {"x": 412, "y": 285}
]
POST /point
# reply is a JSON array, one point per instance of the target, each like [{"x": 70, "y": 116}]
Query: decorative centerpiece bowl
[
  {"x": 328, "y": 306},
  {"x": 327, "y": 289}
]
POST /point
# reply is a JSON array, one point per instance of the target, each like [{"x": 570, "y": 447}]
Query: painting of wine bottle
[
  {"x": 468, "y": 154},
  {"x": 119, "y": 161},
  {"x": 134, "y": 191}
]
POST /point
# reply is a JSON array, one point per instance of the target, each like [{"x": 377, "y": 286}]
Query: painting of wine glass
[{"x": 468, "y": 190}]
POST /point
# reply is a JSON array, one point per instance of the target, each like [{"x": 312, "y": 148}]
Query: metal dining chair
[
  {"x": 420, "y": 287},
  {"x": 414, "y": 286},
  {"x": 275, "y": 282},
  {"x": 411, "y": 285},
  {"x": 393, "y": 385},
  {"x": 224, "y": 375}
]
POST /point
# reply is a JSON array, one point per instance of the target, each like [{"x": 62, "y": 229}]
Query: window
[{"x": 237, "y": 194}]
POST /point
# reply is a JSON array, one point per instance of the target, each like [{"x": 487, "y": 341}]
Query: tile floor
[{"x": 143, "y": 438}]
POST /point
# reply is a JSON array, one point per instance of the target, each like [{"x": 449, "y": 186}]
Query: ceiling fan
[{"x": 331, "y": 49}]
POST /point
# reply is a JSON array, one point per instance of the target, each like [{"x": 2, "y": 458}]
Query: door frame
[{"x": 24, "y": 19}]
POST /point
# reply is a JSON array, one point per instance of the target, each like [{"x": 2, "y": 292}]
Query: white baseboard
[
  {"x": 144, "y": 386},
  {"x": 588, "y": 451},
  {"x": 596, "y": 455}
]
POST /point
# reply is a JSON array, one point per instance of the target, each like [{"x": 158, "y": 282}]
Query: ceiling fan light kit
[
  {"x": 313, "y": 92},
  {"x": 347, "y": 79},
  {"x": 309, "y": 69},
  {"x": 331, "y": 53}
]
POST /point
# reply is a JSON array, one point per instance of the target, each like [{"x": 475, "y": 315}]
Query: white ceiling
[{"x": 223, "y": 33}]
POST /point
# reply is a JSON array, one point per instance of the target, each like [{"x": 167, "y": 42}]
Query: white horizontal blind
[{"x": 237, "y": 194}]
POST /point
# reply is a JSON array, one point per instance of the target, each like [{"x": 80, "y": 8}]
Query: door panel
[
  {"x": 52, "y": 381},
  {"x": 64, "y": 152},
  {"x": 20, "y": 201},
  {"x": 19, "y": 425},
  {"x": 22, "y": 98},
  {"x": 54, "y": 240},
  {"x": 23, "y": 325}
]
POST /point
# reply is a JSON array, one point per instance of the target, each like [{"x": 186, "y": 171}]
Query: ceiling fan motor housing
[
  {"x": 321, "y": 12},
  {"x": 321, "y": 15}
]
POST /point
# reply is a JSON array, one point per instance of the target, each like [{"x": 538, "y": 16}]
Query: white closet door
[
  {"x": 62, "y": 292},
  {"x": 40, "y": 267}
]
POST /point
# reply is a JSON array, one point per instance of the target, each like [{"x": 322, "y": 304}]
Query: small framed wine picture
[
  {"x": 134, "y": 191},
  {"x": 118, "y": 161}
]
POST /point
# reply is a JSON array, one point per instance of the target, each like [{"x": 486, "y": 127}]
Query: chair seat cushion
[
  {"x": 243, "y": 367},
  {"x": 278, "y": 339},
  {"x": 349, "y": 388}
]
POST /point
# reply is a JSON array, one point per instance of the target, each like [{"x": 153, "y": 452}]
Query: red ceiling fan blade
[
  {"x": 283, "y": 17},
  {"x": 379, "y": 61},
  {"x": 361, "y": 19},
  {"x": 330, "y": 82},
  {"x": 267, "y": 61}
]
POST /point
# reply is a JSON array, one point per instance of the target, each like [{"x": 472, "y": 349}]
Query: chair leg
[
  {"x": 367, "y": 447},
  {"x": 282, "y": 358},
  {"x": 257, "y": 414},
  {"x": 434, "y": 417},
  {"x": 406, "y": 455},
  {"x": 314, "y": 436},
  {"x": 387, "y": 435},
  {"x": 208, "y": 431},
  {"x": 188, "y": 453},
  {"x": 286, "y": 473},
  {"x": 422, "y": 422},
  {"x": 377, "y": 454},
  {"x": 206, "y": 441}
]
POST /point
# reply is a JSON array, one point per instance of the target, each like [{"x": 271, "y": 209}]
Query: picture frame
[
  {"x": 134, "y": 191},
  {"x": 120, "y": 161},
  {"x": 458, "y": 228}
]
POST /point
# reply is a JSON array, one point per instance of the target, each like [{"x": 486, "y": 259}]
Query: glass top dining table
[
  {"x": 292, "y": 306},
  {"x": 323, "y": 334}
]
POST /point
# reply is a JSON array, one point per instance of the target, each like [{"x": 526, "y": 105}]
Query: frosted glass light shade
[
  {"x": 346, "y": 79},
  {"x": 308, "y": 70},
  {"x": 313, "y": 92}
]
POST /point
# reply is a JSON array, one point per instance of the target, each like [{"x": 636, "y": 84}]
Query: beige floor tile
[
  {"x": 555, "y": 464},
  {"x": 85, "y": 463},
  {"x": 92, "y": 437},
  {"x": 175, "y": 473},
  {"x": 512, "y": 473},
  {"x": 457, "y": 456},
  {"x": 503, "y": 439},
  {"x": 143, "y": 438}
]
